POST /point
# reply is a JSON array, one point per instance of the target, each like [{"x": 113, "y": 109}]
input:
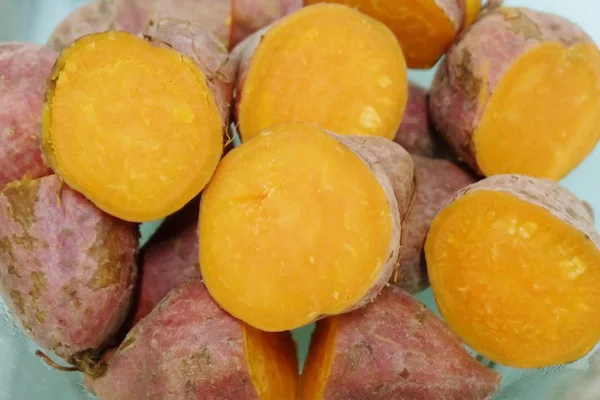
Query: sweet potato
[
  {"x": 188, "y": 348},
  {"x": 143, "y": 160},
  {"x": 24, "y": 68},
  {"x": 513, "y": 263},
  {"x": 437, "y": 181},
  {"x": 392, "y": 349},
  {"x": 416, "y": 134},
  {"x": 67, "y": 269},
  {"x": 284, "y": 242},
  {"x": 249, "y": 16},
  {"x": 168, "y": 259},
  {"x": 286, "y": 74},
  {"x": 230, "y": 20},
  {"x": 134, "y": 15},
  {"x": 518, "y": 94},
  {"x": 92, "y": 17},
  {"x": 425, "y": 28}
]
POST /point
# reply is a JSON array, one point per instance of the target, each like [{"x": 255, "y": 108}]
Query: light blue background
[{"x": 24, "y": 377}]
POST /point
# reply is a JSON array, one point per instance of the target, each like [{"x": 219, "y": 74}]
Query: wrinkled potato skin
[
  {"x": 24, "y": 68},
  {"x": 416, "y": 134},
  {"x": 186, "y": 348},
  {"x": 396, "y": 348},
  {"x": 437, "y": 182},
  {"x": 67, "y": 269},
  {"x": 169, "y": 259}
]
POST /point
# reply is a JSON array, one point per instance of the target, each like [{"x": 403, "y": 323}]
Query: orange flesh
[
  {"x": 423, "y": 29},
  {"x": 330, "y": 65},
  {"x": 516, "y": 283},
  {"x": 472, "y": 9},
  {"x": 318, "y": 362},
  {"x": 293, "y": 226},
  {"x": 272, "y": 362},
  {"x": 542, "y": 118},
  {"x": 133, "y": 127}
]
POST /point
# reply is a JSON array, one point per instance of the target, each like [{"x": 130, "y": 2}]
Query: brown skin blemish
[
  {"x": 177, "y": 246},
  {"x": 40, "y": 316},
  {"x": 39, "y": 283},
  {"x": 197, "y": 362},
  {"x": 404, "y": 374},
  {"x": 22, "y": 197},
  {"x": 465, "y": 74},
  {"x": 109, "y": 255},
  {"x": 17, "y": 300},
  {"x": 421, "y": 316},
  {"x": 129, "y": 342},
  {"x": 73, "y": 297},
  {"x": 12, "y": 270},
  {"x": 521, "y": 24},
  {"x": 358, "y": 352},
  {"x": 25, "y": 241}
]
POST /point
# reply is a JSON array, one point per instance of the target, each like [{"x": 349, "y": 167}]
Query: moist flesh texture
[
  {"x": 423, "y": 29},
  {"x": 291, "y": 74},
  {"x": 293, "y": 226},
  {"x": 272, "y": 363},
  {"x": 318, "y": 363},
  {"x": 133, "y": 127},
  {"x": 529, "y": 281},
  {"x": 541, "y": 119}
]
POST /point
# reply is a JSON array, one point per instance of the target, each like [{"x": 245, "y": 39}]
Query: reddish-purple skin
[
  {"x": 67, "y": 269},
  {"x": 213, "y": 15},
  {"x": 134, "y": 15},
  {"x": 169, "y": 259},
  {"x": 249, "y": 16},
  {"x": 205, "y": 50},
  {"x": 92, "y": 17},
  {"x": 24, "y": 68},
  {"x": 395, "y": 348},
  {"x": 475, "y": 65},
  {"x": 437, "y": 182},
  {"x": 186, "y": 348},
  {"x": 416, "y": 133}
]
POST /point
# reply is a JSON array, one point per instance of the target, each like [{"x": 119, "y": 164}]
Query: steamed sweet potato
[
  {"x": 284, "y": 242},
  {"x": 249, "y": 16},
  {"x": 143, "y": 160},
  {"x": 518, "y": 93},
  {"x": 416, "y": 134},
  {"x": 394, "y": 348},
  {"x": 514, "y": 266},
  {"x": 230, "y": 20},
  {"x": 67, "y": 269},
  {"x": 168, "y": 259},
  {"x": 133, "y": 16},
  {"x": 424, "y": 28},
  {"x": 24, "y": 68},
  {"x": 188, "y": 348},
  {"x": 286, "y": 74},
  {"x": 92, "y": 17},
  {"x": 437, "y": 181}
]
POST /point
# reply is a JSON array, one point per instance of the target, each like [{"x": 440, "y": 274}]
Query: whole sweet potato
[
  {"x": 24, "y": 68},
  {"x": 169, "y": 258},
  {"x": 249, "y": 16},
  {"x": 67, "y": 269},
  {"x": 416, "y": 134},
  {"x": 96, "y": 16},
  {"x": 394, "y": 348},
  {"x": 437, "y": 181},
  {"x": 189, "y": 348}
]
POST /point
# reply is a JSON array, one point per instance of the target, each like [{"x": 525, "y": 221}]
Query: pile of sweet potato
[{"x": 352, "y": 190}]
